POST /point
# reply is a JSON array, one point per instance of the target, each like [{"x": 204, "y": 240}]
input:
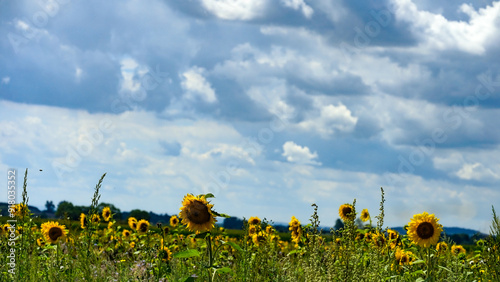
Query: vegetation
[{"x": 97, "y": 247}]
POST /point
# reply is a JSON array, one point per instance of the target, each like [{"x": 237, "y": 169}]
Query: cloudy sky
[{"x": 270, "y": 105}]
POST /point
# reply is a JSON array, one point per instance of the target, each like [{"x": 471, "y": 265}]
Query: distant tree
[
  {"x": 232, "y": 223},
  {"x": 50, "y": 207},
  {"x": 66, "y": 208},
  {"x": 338, "y": 224},
  {"x": 139, "y": 214}
]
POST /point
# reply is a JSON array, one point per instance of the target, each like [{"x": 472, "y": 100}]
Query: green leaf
[
  {"x": 220, "y": 214},
  {"x": 189, "y": 279},
  {"x": 420, "y": 279},
  {"x": 224, "y": 269},
  {"x": 234, "y": 245},
  {"x": 209, "y": 195},
  {"x": 418, "y": 262},
  {"x": 444, "y": 268},
  {"x": 187, "y": 254}
]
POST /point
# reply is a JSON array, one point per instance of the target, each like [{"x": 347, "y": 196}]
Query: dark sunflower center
[
  {"x": 198, "y": 213},
  {"x": 143, "y": 227},
  {"x": 425, "y": 230},
  {"x": 347, "y": 211},
  {"x": 55, "y": 232}
]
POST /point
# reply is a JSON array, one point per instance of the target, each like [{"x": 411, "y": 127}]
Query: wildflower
[
  {"x": 424, "y": 229},
  {"x": 365, "y": 215},
  {"x": 346, "y": 212},
  {"x": 196, "y": 213},
  {"x": 106, "y": 214},
  {"x": 174, "y": 221},
  {"x": 269, "y": 229},
  {"x": 142, "y": 226},
  {"x": 457, "y": 249},
  {"x": 132, "y": 223},
  {"x": 296, "y": 229},
  {"x": 254, "y": 220},
  {"x": 52, "y": 231}
]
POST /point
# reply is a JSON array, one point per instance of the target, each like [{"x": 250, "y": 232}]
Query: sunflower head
[
  {"x": 165, "y": 254},
  {"x": 457, "y": 250},
  {"x": 142, "y": 226},
  {"x": 252, "y": 229},
  {"x": 174, "y": 221},
  {"x": 441, "y": 247},
  {"x": 83, "y": 221},
  {"x": 95, "y": 218},
  {"x": 52, "y": 231},
  {"x": 347, "y": 212},
  {"x": 19, "y": 210},
  {"x": 424, "y": 229},
  {"x": 106, "y": 214},
  {"x": 40, "y": 242},
  {"x": 365, "y": 215},
  {"x": 196, "y": 213},
  {"x": 132, "y": 223},
  {"x": 258, "y": 238},
  {"x": 254, "y": 220},
  {"x": 126, "y": 234},
  {"x": 294, "y": 223}
]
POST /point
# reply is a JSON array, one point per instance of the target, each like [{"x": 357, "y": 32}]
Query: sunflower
[
  {"x": 252, "y": 229},
  {"x": 174, "y": 221},
  {"x": 106, "y": 214},
  {"x": 166, "y": 230},
  {"x": 269, "y": 229},
  {"x": 126, "y": 234},
  {"x": 142, "y": 226},
  {"x": 132, "y": 223},
  {"x": 96, "y": 218},
  {"x": 19, "y": 210},
  {"x": 457, "y": 249},
  {"x": 441, "y": 247},
  {"x": 165, "y": 254},
  {"x": 294, "y": 223},
  {"x": 196, "y": 213},
  {"x": 52, "y": 231},
  {"x": 258, "y": 238},
  {"x": 40, "y": 242},
  {"x": 424, "y": 229},
  {"x": 83, "y": 221},
  {"x": 254, "y": 220},
  {"x": 6, "y": 228},
  {"x": 365, "y": 215},
  {"x": 347, "y": 212}
]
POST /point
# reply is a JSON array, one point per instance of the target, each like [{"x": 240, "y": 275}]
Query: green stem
[{"x": 210, "y": 257}]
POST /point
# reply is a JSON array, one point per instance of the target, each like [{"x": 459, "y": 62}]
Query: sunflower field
[{"x": 192, "y": 248}]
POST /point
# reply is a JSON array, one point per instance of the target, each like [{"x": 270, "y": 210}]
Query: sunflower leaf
[
  {"x": 220, "y": 214},
  {"x": 189, "y": 279},
  {"x": 234, "y": 245},
  {"x": 187, "y": 254},
  {"x": 224, "y": 270},
  {"x": 209, "y": 195}
]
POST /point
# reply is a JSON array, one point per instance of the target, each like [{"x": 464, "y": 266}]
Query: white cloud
[
  {"x": 436, "y": 32},
  {"x": 476, "y": 171},
  {"x": 5, "y": 80},
  {"x": 235, "y": 9},
  {"x": 197, "y": 86},
  {"x": 331, "y": 119},
  {"x": 299, "y": 4},
  {"x": 297, "y": 154}
]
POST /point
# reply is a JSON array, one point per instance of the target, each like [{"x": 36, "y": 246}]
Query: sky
[{"x": 269, "y": 105}]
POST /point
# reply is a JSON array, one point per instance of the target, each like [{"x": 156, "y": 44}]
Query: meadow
[{"x": 192, "y": 248}]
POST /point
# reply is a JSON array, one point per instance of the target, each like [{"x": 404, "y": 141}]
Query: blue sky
[{"x": 270, "y": 105}]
